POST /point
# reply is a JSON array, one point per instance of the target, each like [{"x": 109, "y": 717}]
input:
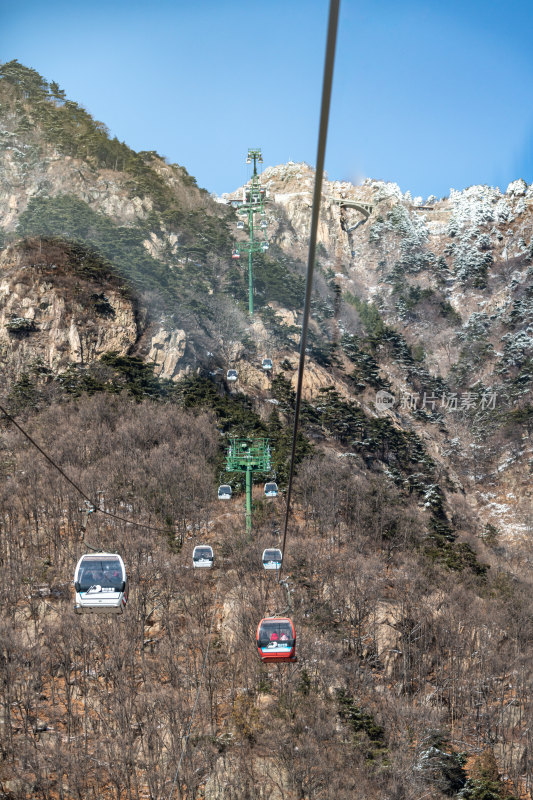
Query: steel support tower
[
  {"x": 253, "y": 203},
  {"x": 248, "y": 456}
]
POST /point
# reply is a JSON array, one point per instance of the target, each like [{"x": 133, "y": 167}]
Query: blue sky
[{"x": 431, "y": 95}]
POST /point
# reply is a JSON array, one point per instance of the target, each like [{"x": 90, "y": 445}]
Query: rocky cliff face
[
  {"x": 453, "y": 278},
  {"x": 60, "y": 307},
  {"x": 53, "y": 314},
  {"x": 430, "y": 302},
  {"x": 33, "y": 166},
  {"x": 479, "y": 238},
  {"x": 51, "y": 150},
  {"x": 35, "y": 170}
]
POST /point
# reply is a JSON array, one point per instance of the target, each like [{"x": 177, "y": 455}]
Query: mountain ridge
[{"x": 120, "y": 311}]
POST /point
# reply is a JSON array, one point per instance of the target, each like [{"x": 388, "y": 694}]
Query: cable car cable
[
  {"x": 200, "y": 684},
  {"x": 321, "y": 151},
  {"x": 75, "y": 485}
]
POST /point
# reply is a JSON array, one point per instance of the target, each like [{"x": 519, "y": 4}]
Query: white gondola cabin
[
  {"x": 101, "y": 584},
  {"x": 263, "y": 224},
  {"x": 272, "y": 558},
  {"x": 267, "y": 364},
  {"x": 202, "y": 556},
  {"x": 240, "y": 225},
  {"x": 271, "y": 489},
  {"x": 232, "y": 375},
  {"x": 224, "y": 492},
  {"x": 264, "y": 246}
]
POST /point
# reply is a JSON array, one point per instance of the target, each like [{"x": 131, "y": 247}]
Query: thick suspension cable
[
  {"x": 75, "y": 485},
  {"x": 196, "y": 699},
  {"x": 321, "y": 153}
]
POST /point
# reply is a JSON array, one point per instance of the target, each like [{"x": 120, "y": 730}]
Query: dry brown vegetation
[{"x": 395, "y": 654}]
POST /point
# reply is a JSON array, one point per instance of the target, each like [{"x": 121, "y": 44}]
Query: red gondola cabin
[{"x": 276, "y": 640}]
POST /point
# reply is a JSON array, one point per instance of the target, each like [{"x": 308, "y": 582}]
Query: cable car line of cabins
[{"x": 100, "y": 578}]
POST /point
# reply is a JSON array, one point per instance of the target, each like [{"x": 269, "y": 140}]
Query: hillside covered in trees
[{"x": 408, "y": 560}]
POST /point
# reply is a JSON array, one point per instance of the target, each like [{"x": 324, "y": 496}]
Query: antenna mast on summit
[{"x": 253, "y": 203}]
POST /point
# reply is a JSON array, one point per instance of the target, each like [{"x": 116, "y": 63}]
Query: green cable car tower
[
  {"x": 253, "y": 203},
  {"x": 248, "y": 455}
]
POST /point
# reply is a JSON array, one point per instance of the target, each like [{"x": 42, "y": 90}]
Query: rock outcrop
[
  {"x": 452, "y": 277},
  {"x": 54, "y": 315}
]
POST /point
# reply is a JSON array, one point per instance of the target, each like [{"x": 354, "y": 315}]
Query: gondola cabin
[
  {"x": 224, "y": 492},
  {"x": 235, "y": 254},
  {"x": 240, "y": 225},
  {"x": 271, "y": 489},
  {"x": 267, "y": 364},
  {"x": 202, "y": 557},
  {"x": 101, "y": 584},
  {"x": 276, "y": 640},
  {"x": 272, "y": 558},
  {"x": 232, "y": 375},
  {"x": 263, "y": 224},
  {"x": 264, "y": 246}
]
